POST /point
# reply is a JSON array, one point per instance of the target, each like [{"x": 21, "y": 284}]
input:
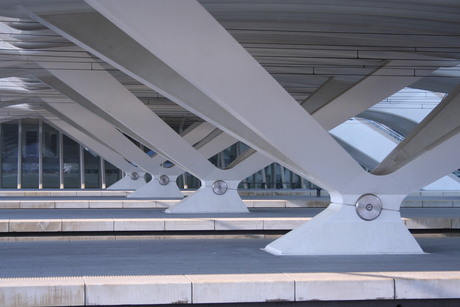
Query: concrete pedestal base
[
  {"x": 206, "y": 201},
  {"x": 339, "y": 231},
  {"x": 154, "y": 189},
  {"x": 127, "y": 183}
]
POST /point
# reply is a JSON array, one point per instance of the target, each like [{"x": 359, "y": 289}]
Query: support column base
[
  {"x": 339, "y": 231},
  {"x": 127, "y": 183},
  {"x": 206, "y": 201},
  {"x": 154, "y": 189}
]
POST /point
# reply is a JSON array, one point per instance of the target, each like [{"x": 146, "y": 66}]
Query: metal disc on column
[
  {"x": 219, "y": 187},
  {"x": 134, "y": 176},
  {"x": 163, "y": 179},
  {"x": 368, "y": 207}
]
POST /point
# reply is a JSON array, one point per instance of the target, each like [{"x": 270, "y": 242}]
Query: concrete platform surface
[
  {"x": 216, "y": 271},
  {"x": 15, "y": 221}
]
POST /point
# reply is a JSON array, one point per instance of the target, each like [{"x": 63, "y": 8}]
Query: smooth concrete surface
[
  {"x": 70, "y": 273},
  {"x": 272, "y": 200},
  {"x": 199, "y": 256},
  {"x": 254, "y": 198},
  {"x": 126, "y": 220}
]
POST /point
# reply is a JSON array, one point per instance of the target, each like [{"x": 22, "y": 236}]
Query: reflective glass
[
  {"x": 9, "y": 155},
  {"x": 30, "y": 153},
  {"x": 112, "y": 174},
  {"x": 92, "y": 170},
  {"x": 50, "y": 152},
  {"x": 71, "y": 163}
]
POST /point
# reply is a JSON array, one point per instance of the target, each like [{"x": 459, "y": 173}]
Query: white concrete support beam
[
  {"x": 384, "y": 81},
  {"x": 86, "y": 29},
  {"x": 439, "y": 125},
  {"x": 256, "y": 89},
  {"x": 118, "y": 106},
  {"x": 197, "y": 31},
  {"x": 107, "y": 153},
  {"x": 111, "y": 137},
  {"x": 194, "y": 53}
]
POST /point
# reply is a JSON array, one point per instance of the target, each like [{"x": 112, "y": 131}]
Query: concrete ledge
[
  {"x": 71, "y": 204},
  {"x": 239, "y": 224},
  {"x": 428, "y": 223},
  {"x": 105, "y": 204},
  {"x": 27, "y": 292},
  {"x": 139, "y": 225},
  {"x": 284, "y": 223},
  {"x": 137, "y": 290},
  {"x": 9, "y": 204},
  {"x": 87, "y": 225},
  {"x": 229, "y": 288},
  {"x": 268, "y": 203},
  {"x": 139, "y": 204},
  {"x": 4, "y": 225},
  {"x": 189, "y": 224},
  {"x": 426, "y": 285},
  {"x": 81, "y": 202},
  {"x": 241, "y": 288},
  {"x": 34, "y": 225},
  {"x": 25, "y": 204},
  {"x": 341, "y": 286}
]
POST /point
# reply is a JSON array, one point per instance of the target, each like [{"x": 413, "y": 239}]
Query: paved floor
[{"x": 228, "y": 256}]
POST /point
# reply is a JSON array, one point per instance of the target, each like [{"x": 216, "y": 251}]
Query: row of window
[{"x": 36, "y": 155}]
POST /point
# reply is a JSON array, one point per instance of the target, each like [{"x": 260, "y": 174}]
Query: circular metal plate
[
  {"x": 134, "y": 176},
  {"x": 163, "y": 180},
  {"x": 219, "y": 187},
  {"x": 368, "y": 207}
]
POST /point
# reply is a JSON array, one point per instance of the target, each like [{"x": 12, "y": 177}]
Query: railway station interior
[{"x": 260, "y": 153}]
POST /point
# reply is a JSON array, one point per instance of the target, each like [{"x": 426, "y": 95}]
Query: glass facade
[
  {"x": 50, "y": 154},
  {"x": 30, "y": 154},
  {"x": 92, "y": 169},
  {"x": 48, "y": 159},
  {"x": 35, "y": 155},
  {"x": 9, "y": 143},
  {"x": 71, "y": 167},
  {"x": 273, "y": 176}
]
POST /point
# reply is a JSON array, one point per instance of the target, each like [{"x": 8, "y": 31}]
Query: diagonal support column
[
  {"x": 325, "y": 163},
  {"x": 439, "y": 125},
  {"x": 127, "y": 182},
  {"x": 107, "y": 134},
  {"x": 381, "y": 83},
  {"x": 163, "y": 183},
  {"x": 120, "y": 108},
  {"x": 80, "y": 27}
]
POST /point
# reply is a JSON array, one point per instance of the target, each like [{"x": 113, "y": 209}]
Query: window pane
[
  {"x": 112, "y": 174},
  {"x": 71, "y": 163},
  {"x": 92, "y": 170},
  {"x": 10, "y": 155},
  {"x": 30, "y": 153},
  {"x": 50, "y": 157}
]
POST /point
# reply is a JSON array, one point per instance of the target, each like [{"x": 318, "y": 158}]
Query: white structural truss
[{"x": 278, "y": 85}]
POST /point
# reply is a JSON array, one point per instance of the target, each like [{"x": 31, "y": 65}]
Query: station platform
[
  {"x": 218, "y": 271},
  {"x": 123, "y": 256}
]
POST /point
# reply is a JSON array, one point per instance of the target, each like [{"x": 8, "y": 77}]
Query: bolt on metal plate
[
  {"x": 134, "y": 176},
  {"x": 163, "y": 179},
  {"x": 368, "y": 207},
  {"x": 219, "y": 187}
]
